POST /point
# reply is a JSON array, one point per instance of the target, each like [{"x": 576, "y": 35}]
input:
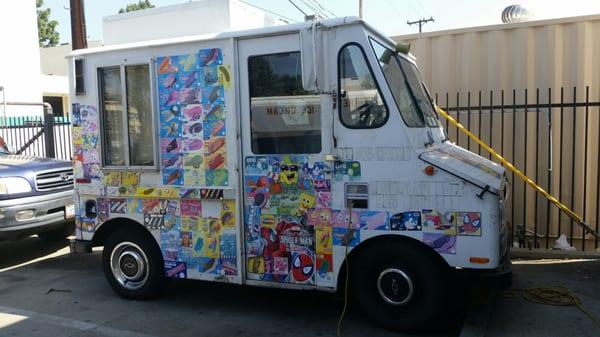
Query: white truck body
[{"x": 274, "y": 189}]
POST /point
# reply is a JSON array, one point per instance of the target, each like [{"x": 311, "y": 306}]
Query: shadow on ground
[{"x": 13, "y": 253}]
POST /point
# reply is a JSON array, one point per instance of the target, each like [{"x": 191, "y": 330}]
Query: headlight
[{"x": 14, "y": 185}]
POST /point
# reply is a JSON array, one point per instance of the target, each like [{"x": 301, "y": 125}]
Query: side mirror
[{"x": 311, "y": 51}]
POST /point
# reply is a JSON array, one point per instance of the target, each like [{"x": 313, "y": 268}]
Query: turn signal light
[
  {"x": 479, "y": 260},
  {"x": 429, "y": 170}
]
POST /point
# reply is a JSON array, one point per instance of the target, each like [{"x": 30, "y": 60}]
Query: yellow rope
[
  {"x": 557, "y": 295},
  {"x": 510, "y": 166}
]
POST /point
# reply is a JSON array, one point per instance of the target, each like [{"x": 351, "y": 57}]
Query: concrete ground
[
  {"x": 513, "y": 316},
  {"x": 44, "y": 291}
]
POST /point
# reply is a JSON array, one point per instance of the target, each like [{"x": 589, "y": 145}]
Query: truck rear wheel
[
  {"x": 133, "y": 264},
  {"x": 400, "y": 285}
]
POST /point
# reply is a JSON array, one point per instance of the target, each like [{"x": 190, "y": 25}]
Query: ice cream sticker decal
[{"x": 191, "y": 95}]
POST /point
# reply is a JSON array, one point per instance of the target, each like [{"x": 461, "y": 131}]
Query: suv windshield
[{"x": 407, "y": 87}]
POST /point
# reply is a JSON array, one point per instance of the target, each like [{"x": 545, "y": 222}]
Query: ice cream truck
[{"x": 302, "y": 156}]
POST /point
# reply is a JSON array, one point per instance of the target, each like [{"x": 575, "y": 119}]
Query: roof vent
[{"x": 516, "y": 13}]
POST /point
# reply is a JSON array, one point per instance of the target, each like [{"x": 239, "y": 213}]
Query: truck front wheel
[
  {"x": 133, "y": 264},
  {"x": 400, "y": 285}
]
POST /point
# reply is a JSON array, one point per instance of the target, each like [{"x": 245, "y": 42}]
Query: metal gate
[
  {"x": 553, "y": 136},
  {"x": 40, "y": 136}
]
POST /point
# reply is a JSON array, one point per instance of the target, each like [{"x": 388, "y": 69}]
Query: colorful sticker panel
[
  {"x": 191, "y": 92},
  {"x": 287, "y": 222},
  {"x": 406, "y": 221},
  {"x": 468, "y": 223},
  {"x": 442, "y": 243},
  {"x": 436, "y": 222}
]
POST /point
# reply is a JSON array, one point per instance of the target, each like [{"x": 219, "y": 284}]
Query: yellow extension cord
[
  {"x": 347, "y": 277},
  {"x": 557, "y": 296}
]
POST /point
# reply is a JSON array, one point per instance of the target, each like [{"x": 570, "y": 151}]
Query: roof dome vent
[{"x": 516, "y": 13}]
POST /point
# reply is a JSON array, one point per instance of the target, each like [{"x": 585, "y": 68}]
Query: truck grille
[{"x": 53, "y": 180}]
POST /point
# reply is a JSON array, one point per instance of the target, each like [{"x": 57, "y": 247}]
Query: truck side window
[
  {"x": 361, "y": 102},
  {"x": 284, "y": 118},
  {"x": 111, "y": 108},
  {"x": 127, "y": 122}
]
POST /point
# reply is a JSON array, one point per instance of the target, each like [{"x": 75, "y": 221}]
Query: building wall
[
  {"x": 53, "y": 59},
  {"x": 19, "y": 57},
  {"x": 533, "y": 54},
  {"x": 192, "y": 18}
]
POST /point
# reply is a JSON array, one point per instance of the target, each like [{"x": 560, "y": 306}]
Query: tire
[
  {"x": 58, "y": 234},
  {"x": 133, "y": 264},
  {"x": 400, "y": 285}
]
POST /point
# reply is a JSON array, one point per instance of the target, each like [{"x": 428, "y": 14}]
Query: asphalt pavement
[{"x": 45, "y": 291}]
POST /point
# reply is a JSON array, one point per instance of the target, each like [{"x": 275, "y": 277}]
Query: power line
[
  {"x": 422, "y": 6},
  {"x": 298, "y": 8},
  {"x": 420, "y": 22},
  {"x": 269, "y": 11},
  {"x": 314, "y": 9},
  {"x": 413, "y": 4},
  {"x": 323, "y": 7}
]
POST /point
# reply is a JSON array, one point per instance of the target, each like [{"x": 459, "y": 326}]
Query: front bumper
[
  {"x": 501, "y": 277},
  {"x": 49, "y": 212}
]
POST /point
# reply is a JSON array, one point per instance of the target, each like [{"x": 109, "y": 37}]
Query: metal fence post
[{"x": 49, "y": 130}]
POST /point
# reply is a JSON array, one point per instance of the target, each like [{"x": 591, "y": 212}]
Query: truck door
[
  {"x": 372, "y": 150},
  {"x": 286, "y": 134}
]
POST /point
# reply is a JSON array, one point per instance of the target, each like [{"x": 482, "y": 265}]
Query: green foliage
[
  {"x": 142, "y": 4},
  {"x": 47, "y": 34}
]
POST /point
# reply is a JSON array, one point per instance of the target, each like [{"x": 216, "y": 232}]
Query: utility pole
[
  {"x": 421, "y": 22},
  {"x": 78, "y": 35},
  {"x": 360, "y": 9}
]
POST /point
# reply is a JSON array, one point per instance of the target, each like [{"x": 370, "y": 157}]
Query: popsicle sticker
[{"x": 167, "y": 64}]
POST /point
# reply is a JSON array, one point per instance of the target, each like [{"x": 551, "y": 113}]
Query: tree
[
  {"x": 142, "y": 4},
  {"x": 47, "y": 34}
]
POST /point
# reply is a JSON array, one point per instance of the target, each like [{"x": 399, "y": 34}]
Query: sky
[{"x": 389, "y": 16}]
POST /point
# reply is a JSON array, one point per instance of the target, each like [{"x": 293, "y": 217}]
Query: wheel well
[
  {"x": 374, "y": 241},
  {"x": 109, "y": 226}
]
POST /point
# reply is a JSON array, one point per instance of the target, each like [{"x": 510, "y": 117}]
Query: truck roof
[{"x": 273, "y": 30}]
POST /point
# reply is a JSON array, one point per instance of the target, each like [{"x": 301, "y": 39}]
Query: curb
[{"x": 525, "y": 253}]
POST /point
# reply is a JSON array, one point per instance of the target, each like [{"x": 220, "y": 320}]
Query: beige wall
[
  {"x": 528, "y": 55},
  {"x": 53, "y": 59},
  {"x": 535, "y": 54}
]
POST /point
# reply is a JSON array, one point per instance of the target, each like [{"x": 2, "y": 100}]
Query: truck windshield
[{"x": 407, "y": 87}]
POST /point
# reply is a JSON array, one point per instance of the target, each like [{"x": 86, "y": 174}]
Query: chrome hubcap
[
  {"x": 394, "y": 286},
  {"x": 129, "y": 265}
]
